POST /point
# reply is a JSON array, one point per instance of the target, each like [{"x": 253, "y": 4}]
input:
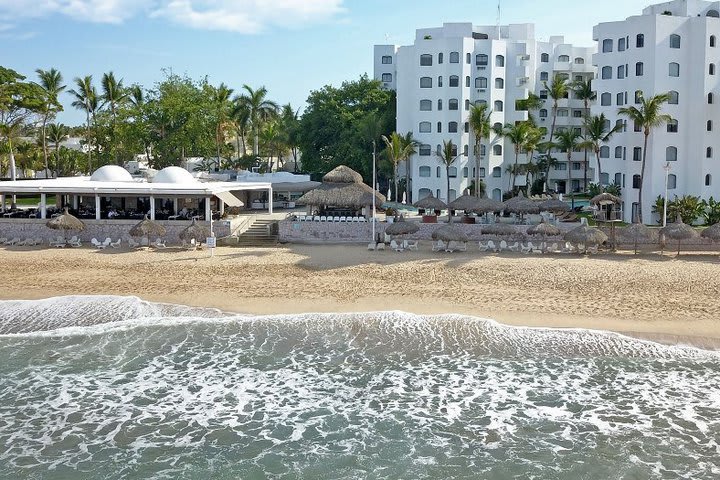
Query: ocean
[{"x": 118, "y": 388}]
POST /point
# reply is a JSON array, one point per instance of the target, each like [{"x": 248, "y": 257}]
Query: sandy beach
[{"x": 660, "y": 298}]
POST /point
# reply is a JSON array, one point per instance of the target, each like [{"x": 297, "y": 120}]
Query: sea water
[{"x": 114, "y": 387}]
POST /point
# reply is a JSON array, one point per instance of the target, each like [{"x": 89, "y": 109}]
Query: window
[
  {"x": 481, "y": 82},
  {"x": 544, "y": 57},
  {"x": 711, "y": 98},
  {"x": 425, "y": 105},
  {"x": 437, "y": 174},
  {"x": 636, "y": 181},
  {"x": 499, "y": 83},
  {"x": 498, "y": 105},
  {"x": 708, "y": 152},
  {"x": 544, "y": 76},
  {"x": 482, "y": 172},
  {"x": 671, "y": 154},
  {"x": 387, "y": 77},
  {"x": 638, "y": 97},
  {"x": 468, "y": 58},
  {"x": 497, "y": 150},
  {"x": 639, "y": 40},
  {"x": 481, "y": 60},
  {"x": 713, "y": 14},
  {"x": 674, "y": 69},
  {"x": 674, "y": 97},
  {"x": 560, "y": 166},
  {"x": 618, "y": 179},
  {"x": 605, "y": 99},
  {"x": 621, "y": 72},
  {"x": 563, "y": 58},
  {"x": 452, "y": 127},
  {"x": 604, "y": 151},
  {"x": 499, "y": 61},
  {"x": 425, "y": 82},
  {"x": 454, "y": 81},
  {"x": 452, "y": 172},
  {"x": 708, "y": 180},
  {"x": 712, "y": 40},
  {"x": 639, "y": 69},
  {"x": 618, "y": 152},
  {"x": 425, "y": 127},
  {"x": 672, "y": 126},
  {"x": 440, "y": 58},
  {"x": 637, "y": 127},
  {"x": 543, "y": 113},
  {"x": 465, "y": 172},
  {"x": 579, "y": 61},
  {"x": 606, "y": 73},
  {"x": 604, "y": 178},
  {"x": 711, "y": 69},
  {"x": 621, "y": 44},
  {"x": 453, "y": 104},
  {"x": 674, "y": 41},
  {"x": 672, "y": 182},
  {"x": 607, "y": 45},
  {"x": 480, "y": 102},
  {"x": 577, "y": 113},
  {"x": 439, "y": 127},
  {"x": 637, "y": 154},
  {"x": 576, "y": 166},
  {"x": 562, "y": 112},
  {"x": 709, "y": 126},
  {"x": 466, "y": 151},
  {"x": 496, "y": 172},
  {"x": 466, "y": 127},
  {"x": 543, "y": 94},
  {"x": 620, "y": 125},
  {"x": 438, "y": 151},
  {"x": 454, "y": 57},
  {"x": 425, "y": 171},
  {"x": 439, "y": 81},
  {"x": 426, "y": 60},
  {"x": 425, "y": 151},
  {"x": 483, "y": 150},
  {"x": 619, "y": 99},
  {"x": 387, "y": 60},
  {"x": 467, "y": 80},
  {"x": 467, "y": 105},
  {"x": 439, "y": 104},
  {"x": 424, "y": 192}
]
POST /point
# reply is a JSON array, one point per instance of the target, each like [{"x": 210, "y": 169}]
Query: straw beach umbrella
[
  {"x": 430, "y": 203},
  {"x": 447, "y": 233},
  {"x": 402, "y": 227},
  {"x": 342, "y": 187},
  {"x": 521, "y": 205},
  {"x": 545, "y": 230},
  {"x": 554, "y": 205},
  {"x": 605, "y": 199},
  {"x": 66, "y": 222},
  {"x": 585, "y": 235},
  {"x": 195, "y": 231},
  {"x": 146, "y": 228},
  {"x": 637, "y": 232},
  {"x": 499, "y": 229},
  {"x": 487, "y": 205},
  {"x": 712, "y": 232},
  {"x": 678, "y": 231},
  {"x": 466, "y": 202}
]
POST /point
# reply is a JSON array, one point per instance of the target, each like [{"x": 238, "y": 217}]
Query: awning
[
  {"x": 294, "y": 186},
  {"x": 229, "y": 199}
]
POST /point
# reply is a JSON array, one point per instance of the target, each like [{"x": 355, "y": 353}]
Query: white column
[
  {"x": 152, "y": 207},
  {"x": 97, "y": 207},
  {"x": 43, "y": 205},
  {"x": 270, "y": 200},
  {"x": 208, "y": 212},
  {"x": 76, "y": 202},
  {"x": 2, "y": 202},
  {"x": 221, "y": 206},
  {"x": 175, "y": 205}
]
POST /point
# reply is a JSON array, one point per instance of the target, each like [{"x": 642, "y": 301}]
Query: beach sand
[{"x": 656, "y": 297}]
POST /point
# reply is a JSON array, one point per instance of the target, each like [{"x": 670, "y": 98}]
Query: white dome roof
[
  {"x": 173, "y": 175},
  {"x": 111, "y": 173}
]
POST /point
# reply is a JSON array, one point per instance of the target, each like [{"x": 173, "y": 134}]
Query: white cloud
[{"x": 243, "y": 16}]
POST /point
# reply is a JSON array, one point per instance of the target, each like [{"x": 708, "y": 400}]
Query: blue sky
[{"x": 290, "y": 46}]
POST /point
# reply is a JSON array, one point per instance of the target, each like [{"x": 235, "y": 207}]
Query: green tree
[
  {"x": 447, "y": 156},
  {"x": 568, "y": 140},
  {"x": 260, "y": 111},
  {"x": 517, "y": 133},
  {"x": 222, "y": 111},
  {"x": 85, "y": 98},
  {"x": 648, "y": 117},
  {"x": 688, "y": 207},
  {"x": 57, "y": 133},
  {"x": 398, "y": 148},
  {"x": 113, "y": 95},
  {"x": 290, "y": 121},
  {"x": 597, "y": 133},
  {"x": 51, "y": 84},
  {"x": 557, "y": 90},
  {"x": 479, "y": 121},
  {"x": 533, "y": 140},
  {"x": 240, "y": 116},
  {"x": 583, "y": 91}
]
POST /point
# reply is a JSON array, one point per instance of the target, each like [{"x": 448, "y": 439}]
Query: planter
[
  {"x": 429, "y": 219},
  {"x": 470, "y": 220}
]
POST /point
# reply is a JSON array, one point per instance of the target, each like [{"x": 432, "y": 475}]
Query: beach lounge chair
[
  {"x": 438, "y": 246},
  {"x": 411, "y": 245},
  {"x": 116, "y": 244},
  {"x": 534, "y": 248},
  {"x": 450, "y": 246},
  {"x": 515, "y": 247},
  {"x": 503, "y": 245},
  {"x": 74, "y": 242},
  {"x": 343, "y": 219},
  {"x": 159, "y": 243},
  {"x": 107, "y": 242},
  {"x": 132, "y": 243},
  {"x": 380, "y": 246},
  {"x": 12, "y": 241},
  {"x": 58, "y": 242},
  {"x": 21, "y": 243},
  {"x": 525, "y": 248},
  {"x": 372, "y": 246},
  {"x": 483, "y": 246},
  {"x": 3, "y": 240},
  {"x": 461, "y": 246},
  {"x": 323, "y": 219},
  {"x": 144, "y": 242},
  {"x": 491, "y": 246},
  {"x": 593, "y": 250},
  {"x": 395, "y": 246},
  {"x": 97, "y": 244},
  {"x": 362, "y": 220},
  {"x": 552, "y": 248}
]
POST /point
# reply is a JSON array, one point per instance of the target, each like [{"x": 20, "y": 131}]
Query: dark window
[
  {"x": 386, "y": 60},
  {"x": 637, "y": 154},
  {"x": 709, "y": 126},
  {"x": 425, "y": 82},
  {"x": 708, "y": 180},
  {"x": 499, "y": 61},
  {"x": 672, "y": 126},
  {"x": 708, "y": 152},
  {"x": 454, "y": 57},
  {"x": 711, "y": 98},
  {"x": 424, "y": 151},
  {"x": 387, "y": 77},
  {"x": 468, "y": 58},
  {"x": 639, "y": 40},
  {"x": 711, "y": 69},
  {"x": 674, "y": 97},
  {"x": 481, "y": 60},
  {"x": 712, "y": 40},
  {"x": 425, "y": 105},
  {"x": 671, "y": 154},
  {"x": 607, "y": 45},
  {"x": 606, "y": 73},
  {"x": 439, "y": 81},
  {"x": 497, "y": 150},
  {"x": 440, "y": 58},
  {"x": 636, "y": 181},
  {"x": 498, "y": 105},
  {"x": 453, "y": 104},
  {"x": 452, "y": 127},
  {"x": 639, "y": 68},
  {"x": 674, "y": 69},
  {"x": 544, "y": 57},
  {"x": 674, "y": 41},
  {"x": 426, "y": 60},
  {"x": 454, "y": 81},
  {"x": 481, "y": 82}
]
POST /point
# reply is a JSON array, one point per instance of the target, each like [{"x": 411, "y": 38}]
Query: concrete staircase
[{"x": 259, "y": 234}]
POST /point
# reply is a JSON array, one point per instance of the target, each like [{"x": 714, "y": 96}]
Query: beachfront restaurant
[{"x": 112, "y": 195}]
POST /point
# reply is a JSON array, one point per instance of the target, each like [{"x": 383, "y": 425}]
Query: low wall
[{"x": 101, "y": 229}]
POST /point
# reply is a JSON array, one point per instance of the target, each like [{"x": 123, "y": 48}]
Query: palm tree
[
  {"x": 113, "y": 93},
  {"x": 270, "y": 138},
  {"x": 447, "y": 156},
  {"x": 557, "y": 90},
  {"x": 290, "y": 119},
  {"x": 57, "y": 133},
  {"x": 517, "y": 133},
  {"x": 85, "y": 98},
  {"x": 51, "y": 84},
  {"x": 648, "y": 117},
  {"x": 260, "y": 110},
  {"x": 479, "y": 122},
  {"x": 531, "y": 103},
  {"x": 370, "y": 128},
  {"x": 240, "y": 115},
  {"x": 568, "y": 141},
  {"x": 532, "y": 144},
  {"x": 220, "y": 100},
  {"x": 597, "y": 133},
  {"x": 398, "y": 148},
  {"x": 583, "y": 91}
]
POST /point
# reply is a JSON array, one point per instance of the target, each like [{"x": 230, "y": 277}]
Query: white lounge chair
[
  {"x": 380, "y": 246},
  {"x": 491, "y": 246},
  {"x": 132, "y": 243},
  {"x": 533, "y": 248},
  {"x": 343, "y": 219},
  {"x": 12, "y": 241},
  {"x": 439, "y": 246},
  {"x": 525, "y": 248},
  {"x": 461, "y": 246},
  {"x": 116, "y": 244},
  {"x": 59, "y": 242},
  {"x": 552, "y": 248},
  {"x": 482, "y": 246},
  {"x": 159, "y": 243},
  {"x": 21, "y": 243},
  {"x": 38, "y": 241},
  {"x": 411, "y": 245},
  {"x": 396, "y": 246},
  {"x": 74, "y": 242},
  {"x": 362, "y": 220},
  {"x": 515, "y": 247},
  {"x": 97, "y": 244},
  {"x": 323, "y": 219},
  {"x": 503, "y": 245},
  {"x": 3, "y": 240},
  {"x": 107, "y": 242},
  {"x": 372, "y": 246},
  {"x": 144, "y": 242}
]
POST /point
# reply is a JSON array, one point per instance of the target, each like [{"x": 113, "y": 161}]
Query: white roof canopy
[{"x": 229, "y": 199}]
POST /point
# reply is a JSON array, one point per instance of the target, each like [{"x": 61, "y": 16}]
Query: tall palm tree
[
  {"x": 648, "y": 117},
  {"x": 447, "y": 156},
  {"x": 531, "y": 103},
  {"x": 410, "y": 149},
  {"x": 240, "y": 115},
  {"x": 290, "y": 120},
  {"x": 533, "y": 140},
  {"x": 568, "y": 140},
  {"x": 597, "y": 133},
  {"x": 85, "y": 98},
  {"x": 57, "y": 133},
  {"x": 51, "y": 84},
  {"x": 557, "y": 90},
  {"x": 270, "y": 138},
  {"x": 583, "y": 91},
  {"x": 370, "y": 128},
  {"x": 398, "y": 148},
  {"x": 113, "y": 94},
  {"x": 220, "y": 100},
  {"x": 479, "y": 121},
  {"x": 517, "y": 133},
  {"x": 260, "y": 110}
]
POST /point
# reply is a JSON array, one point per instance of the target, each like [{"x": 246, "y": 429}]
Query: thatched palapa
[
  {"x": 554, "y": 205},
  {"x": 678, "y": 231},
  {"x": 499, "y": 229},
  {"x": 637, "y": 233},
  {"x": 605, "y": 199},
  {"x": 585, "y": 235},
  {"x": 342, "y": 187},
  {"x": 521, "y": 205},
  {"x": 195, "y": 231},
  {"x": 430, "y": 203},
  {"x": 402, "y": 228},
  {"x": 65, "y": 222},
  {"x": 544, "y": 229},
  {"x": 465, "y": 202},
  {"x": 146, "y": 228},
  {"x": 712, "y": 232},
  {"x": 488, "y": 205},
  {"x": 446, "y": 233}
]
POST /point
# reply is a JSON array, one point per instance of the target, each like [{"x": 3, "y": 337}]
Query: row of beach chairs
[
  {"x": 18, "y": 242},
  {"x": 316, "y": 218}
]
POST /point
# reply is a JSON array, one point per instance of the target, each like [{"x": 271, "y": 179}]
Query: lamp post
[
  {"x": 372, "y": 218},
  {"x": 665, "y": 202}
]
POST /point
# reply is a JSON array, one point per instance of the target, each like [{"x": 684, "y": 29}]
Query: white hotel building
[
  {"x": 672, "y": 47},
  {"x": 449, "y": 68}
]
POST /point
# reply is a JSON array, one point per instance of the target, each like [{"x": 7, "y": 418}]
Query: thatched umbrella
[
  {"x": 637, "y": 232},
  {"x": 488, "y": 205},
  {"x": 342, "y": 187},
  {"x": 195, "y": 231},
  {"x": 146, "y": 228},
  {"x": 521, "y": 205},
  {"x": 545, "y": 230},
  {"x": 402, "y": 228},
  {"x": 342, "y": 174},
  {"x": 554, "y": 205},
  {"x": 430, "y": 203},
  {"x": 712, "y": 232},
  {"x": 467, "y": 203},
  {"x": 678, "y": 231},
  {"x": 66, "y": 222},
  {"x": 446, "y": 233},
  {"x": 499, "y": 229},
  {"x": 585, "y": 235},
  {"x": 605, "y": 199}
]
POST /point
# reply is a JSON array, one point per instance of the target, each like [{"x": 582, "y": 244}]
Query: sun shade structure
[
  {"x": 554, "y": 205},
  {"x": 402, "y": 228},
  {"x": 146, "y": 228},
  {"x": 66, "y": 222},
  {"x": 498, "y": 229},
  {"x": 521, "y": 205},
  {"x": 446, "y": 233},
  {"x": 544, "y": 229},
  {"x": 586, "y": 236},
  {"x": 636, "y": 233},
  {"x": 465, "y": 202},
  {"x": 605, "y": 199},
  {"x": 342, "y": 187},
  {"x": 488, "y": 205},
  {"x": 712, "y": 232},
  {"x": 198, "y": 232},
  {"x": 430, "y": 203},
  {"x": 678, "y": 231}
]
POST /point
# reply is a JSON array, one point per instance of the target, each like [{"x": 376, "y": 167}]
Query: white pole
[
  {"x": 373, "y": 197},
  {"x": 665, "y": 202}
]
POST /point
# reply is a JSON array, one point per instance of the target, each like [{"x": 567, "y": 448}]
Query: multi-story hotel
[
  {"x": 673, "y": 48},
  {"x": 450, "y": 68}
]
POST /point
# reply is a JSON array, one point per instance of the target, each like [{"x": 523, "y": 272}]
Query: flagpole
[{"x": 372, "y": 218}]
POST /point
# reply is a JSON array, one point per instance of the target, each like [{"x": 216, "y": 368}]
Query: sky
[{"x": 289, "y": 46}]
